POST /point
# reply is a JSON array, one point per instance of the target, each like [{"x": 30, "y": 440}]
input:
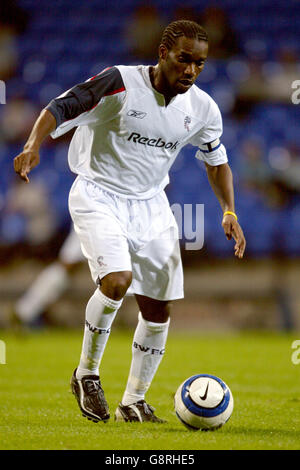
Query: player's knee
[
  {"x": 156, "y": 311},
  {"x": 115, "y": 285}
]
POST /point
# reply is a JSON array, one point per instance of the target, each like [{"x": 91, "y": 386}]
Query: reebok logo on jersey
[
  {"x": 138, "y": 139},
  {"x": 136, "y": 114}
]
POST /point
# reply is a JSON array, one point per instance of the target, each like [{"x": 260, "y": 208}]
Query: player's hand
[
  {"x": 25, "y": 162},
  {"x": 233, "y": 229}
]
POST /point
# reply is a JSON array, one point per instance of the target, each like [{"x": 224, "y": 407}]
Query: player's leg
[
  {"x": 99, "y": 316},
  {"x": 106, "y": 249},
  {"x": 147, "y": 352},
  {"x": 157, "y": 280},
  {"x": 51, "y": 283}
]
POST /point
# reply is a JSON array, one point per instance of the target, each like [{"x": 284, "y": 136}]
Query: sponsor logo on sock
[
  {"x": 158, "y": 352},
  {"x": 94, "y": 329}
]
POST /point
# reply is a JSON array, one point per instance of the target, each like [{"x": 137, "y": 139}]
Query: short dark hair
[{"x": 186, "y": 28}]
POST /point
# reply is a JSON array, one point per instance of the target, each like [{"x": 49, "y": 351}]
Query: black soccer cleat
[
  {"x": 138, "y": 412},
  {"x": 90, "y": 397}
]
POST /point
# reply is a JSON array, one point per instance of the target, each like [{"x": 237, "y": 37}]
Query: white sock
[
  {"x": 147, "y": 351},
  {"x": 100, "y": 313},
  {"x": 45, "y": 290}
]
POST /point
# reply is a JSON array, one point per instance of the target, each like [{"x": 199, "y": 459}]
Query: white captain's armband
[
  {"x": 210, "y": 147},
  {"x": 213, "y": 153}
]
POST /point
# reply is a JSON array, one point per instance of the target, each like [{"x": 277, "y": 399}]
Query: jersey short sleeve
[
  {"x": 211, "y": 150},
  {"x": 87, "y": 102}
]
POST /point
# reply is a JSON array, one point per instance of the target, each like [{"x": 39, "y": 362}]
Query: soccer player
[
  {"x": 132, "y": 121},
  {"x": 50, "y": 284}
]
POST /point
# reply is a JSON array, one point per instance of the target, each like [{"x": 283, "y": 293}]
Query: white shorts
[
  {"x": 120, "y": 234},
  {"x": 70, "y": 252}
]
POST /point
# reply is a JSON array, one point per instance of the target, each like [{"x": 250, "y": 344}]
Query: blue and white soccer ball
[{"x": 203, "y": 402}]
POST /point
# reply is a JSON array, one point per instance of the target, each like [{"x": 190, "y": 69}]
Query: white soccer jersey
[{"x": 127, "y": 138}]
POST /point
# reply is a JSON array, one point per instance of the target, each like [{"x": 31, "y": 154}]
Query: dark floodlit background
[{"x": 47, "y": 47}]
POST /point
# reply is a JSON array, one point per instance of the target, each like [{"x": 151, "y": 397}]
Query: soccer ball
[{"x": 203, "y": 402}]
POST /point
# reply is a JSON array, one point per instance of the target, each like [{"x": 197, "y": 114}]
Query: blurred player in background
[
  {"x": 50, "y": 284},
  {"x": 132, "y": 121}
]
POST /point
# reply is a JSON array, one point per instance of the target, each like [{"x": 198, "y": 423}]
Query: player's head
[{"x": 182, "y": 53}]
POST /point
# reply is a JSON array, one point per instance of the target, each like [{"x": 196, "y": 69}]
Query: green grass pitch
[{"x": 37, "y": 410}]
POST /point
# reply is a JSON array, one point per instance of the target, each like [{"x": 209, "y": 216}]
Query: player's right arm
[
  {"x": 29, "y": 158},
  {"x": 77, "y": 106}
]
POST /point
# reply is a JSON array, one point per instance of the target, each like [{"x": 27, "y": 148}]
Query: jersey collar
[{"x": 159, "y": 97}]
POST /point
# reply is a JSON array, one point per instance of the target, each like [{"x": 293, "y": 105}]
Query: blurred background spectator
[
  {"x": 186, "y": 12},
  {"x": 223, "y": 42},
  {"x": 13, "y": 22},
  {"x": 269, "y": 81},
  {"x": 17, "y": 119},
  {"x": 255, "y": 175},
  {"x": 253, "y": 60},
  {"x": 280, "y": 74},
  {"x": 143, "y": 32},
  {"x": 28, "y": 217}
]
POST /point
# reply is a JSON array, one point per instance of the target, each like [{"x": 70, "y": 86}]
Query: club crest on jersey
[
  {"x": 136, "y": 114},
  {"x": 100, "y": 261},
  {"x": 187, "y": 121}
]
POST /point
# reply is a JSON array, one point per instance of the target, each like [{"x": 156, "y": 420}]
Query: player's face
[{"x": 182, "y": 64}]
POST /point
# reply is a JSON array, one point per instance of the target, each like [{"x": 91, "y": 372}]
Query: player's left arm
[{"x": 221, "y": 181}]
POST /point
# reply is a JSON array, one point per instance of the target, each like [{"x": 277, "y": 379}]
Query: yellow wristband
[{"x": 230, "y": 213}]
